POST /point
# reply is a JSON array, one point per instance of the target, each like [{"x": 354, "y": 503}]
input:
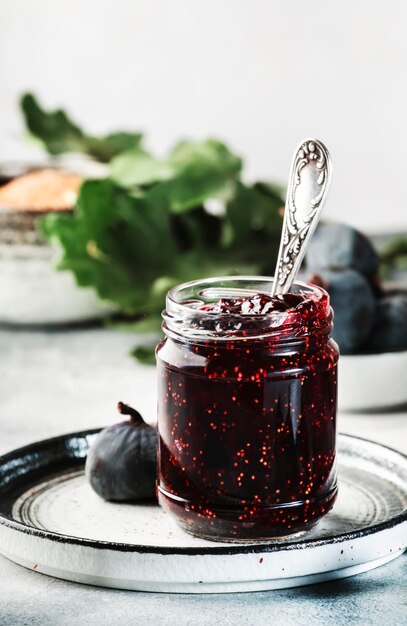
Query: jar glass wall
[{"x": 246, "y": 409}]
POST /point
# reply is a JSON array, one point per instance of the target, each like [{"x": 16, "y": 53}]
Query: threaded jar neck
[{"x": 192, "y": 313}]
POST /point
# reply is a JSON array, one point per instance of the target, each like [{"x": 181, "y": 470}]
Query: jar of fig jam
[{"x": 246, "y": 408}]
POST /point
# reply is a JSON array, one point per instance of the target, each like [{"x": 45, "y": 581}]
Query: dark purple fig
[
  {"x": 353, "y": 303},
  {"x": 121, "y": 463},
  {"x": 390, "y": 330},
  {"x": 339, "y": 246}
]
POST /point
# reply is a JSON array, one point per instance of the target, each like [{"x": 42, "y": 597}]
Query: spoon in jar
[{"x": 308, "y": 185}]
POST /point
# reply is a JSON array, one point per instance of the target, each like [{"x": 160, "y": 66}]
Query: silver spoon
[{"x": 308, "y": 185}]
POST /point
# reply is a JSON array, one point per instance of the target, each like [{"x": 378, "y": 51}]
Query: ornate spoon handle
[{"x": 308, "y": 186}]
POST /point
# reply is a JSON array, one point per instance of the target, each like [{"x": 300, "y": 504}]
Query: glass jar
[{"x": 246, "y": 411}]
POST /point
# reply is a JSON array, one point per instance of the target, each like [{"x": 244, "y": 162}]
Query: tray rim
[{"x": 217, "y": 549}]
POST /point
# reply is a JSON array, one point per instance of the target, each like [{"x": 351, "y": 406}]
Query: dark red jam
[{"x": 246, "y": 409}]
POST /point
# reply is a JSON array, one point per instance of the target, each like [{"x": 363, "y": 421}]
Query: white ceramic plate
[
  {"x": 52, "y": 522},
  {"x": 372, "y": 381}
]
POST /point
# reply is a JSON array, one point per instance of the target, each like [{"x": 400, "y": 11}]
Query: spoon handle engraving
[{"x": 309, "y": 181}]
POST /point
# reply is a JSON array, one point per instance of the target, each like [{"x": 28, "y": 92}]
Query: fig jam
[{"x": 246, "y": 409}]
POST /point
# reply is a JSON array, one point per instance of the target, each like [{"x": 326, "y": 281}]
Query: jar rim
[{"x": 183, "y": 317}]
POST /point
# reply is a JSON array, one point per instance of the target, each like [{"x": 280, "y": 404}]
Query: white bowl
[
  {"x": 372, "y": 381},
  {"x": 32, "y": 291}
]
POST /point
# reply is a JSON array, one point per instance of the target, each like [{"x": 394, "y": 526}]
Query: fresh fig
[
  {"x": 121, "y": 463},
  {"x": 339, "y": 246},
  {"x": 390, "y": 330},
  {"x": 353, "y": 303}
]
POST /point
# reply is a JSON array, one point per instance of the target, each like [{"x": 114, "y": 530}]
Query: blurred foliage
[
  {"x": 59, "y": 134},
  {"x": 394, "y": 256},
  {"x": 154, "y": 223},
  {"x": 144, "y": 354}
]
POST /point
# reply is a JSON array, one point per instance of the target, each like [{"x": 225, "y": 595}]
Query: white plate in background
[{"x": 372, "y": 381}]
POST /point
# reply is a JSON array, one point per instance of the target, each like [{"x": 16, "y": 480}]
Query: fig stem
[{"x": 125, "y": 409}]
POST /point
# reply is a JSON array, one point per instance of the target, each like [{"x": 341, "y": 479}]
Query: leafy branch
[{"x": 150, "y": 224}]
